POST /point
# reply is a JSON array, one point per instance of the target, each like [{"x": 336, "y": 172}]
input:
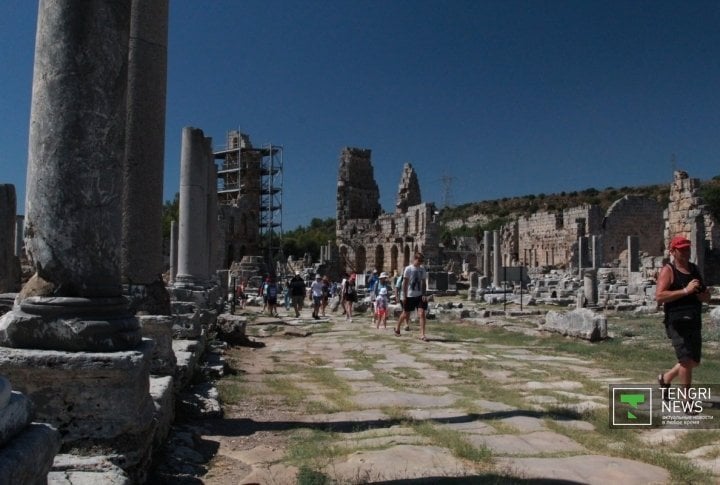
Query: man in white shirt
[
  {"x": 316, "y": 293},
  {"x": 414, "y": 293}
]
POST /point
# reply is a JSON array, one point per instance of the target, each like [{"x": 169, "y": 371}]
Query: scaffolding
[
  {"x": 251, "y": 178},
  {"x": 271, "y": 202}
]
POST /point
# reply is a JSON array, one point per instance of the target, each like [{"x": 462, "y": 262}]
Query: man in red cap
[{"x": 681, "y": 291}]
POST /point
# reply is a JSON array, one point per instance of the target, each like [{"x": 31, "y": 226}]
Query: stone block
[
  {"x": 163, "y": 395},
  {"x": 187, "y": 326},
  {"x": 159, "y": 328},
  {"x": 28, "y": 457},
  {"x": 582, "y": 323},
  {"x": 87, "y": 396},
  {"x": 80, "y": 470}
]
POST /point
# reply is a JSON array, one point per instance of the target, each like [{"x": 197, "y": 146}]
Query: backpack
[{"x": 272, "y": 290}]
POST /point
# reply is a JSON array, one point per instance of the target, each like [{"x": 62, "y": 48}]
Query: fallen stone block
[{"x": 582, "y": 323}]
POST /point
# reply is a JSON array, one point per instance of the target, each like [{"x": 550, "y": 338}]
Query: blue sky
[{"x": 502, "y": 98}]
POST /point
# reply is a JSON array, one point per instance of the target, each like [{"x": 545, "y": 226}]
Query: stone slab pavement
[{"x": 352, "y": 404}]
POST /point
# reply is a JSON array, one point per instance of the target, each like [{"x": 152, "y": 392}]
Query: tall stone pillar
[
  {"x": 590, "y": 286},
  {"x": 173, "y": 250},
  {"x": 496, "y": 259},
  {"x": 487, "y": 242},
  {"x": 213, "y": 238},
  {"x": 583, "y": 254},
  {"x": 192, "y": 235},
  {"x": 72, "y": 345},
  {"x": 9, "y": 267},
  {"x": 596, "y": 251},
  {"x": 141, "y": 250},
  {"x": 633, "y": 253},
  {"x": 19, "y": 226},
  {"x": 697, "y": 239}
]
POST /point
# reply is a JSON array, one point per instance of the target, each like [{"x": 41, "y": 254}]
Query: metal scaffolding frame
[
  {"x": 246, "y": 171},
  {"x": 271, "y": 202}
]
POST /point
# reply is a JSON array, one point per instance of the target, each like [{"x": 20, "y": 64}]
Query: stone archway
[
  {"x": 379, "y": 258},
  {"x": 394, "y": 259},
  {"x": 406, "y": 256},
  {"x": 360, "y": 259}
]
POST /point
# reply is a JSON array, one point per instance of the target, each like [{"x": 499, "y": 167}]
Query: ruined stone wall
[
  {"x": 389, "y": 242},
  {"x": 550, "y": 238},
  {"x": 368, "y": 239},
  {"x": 687, "y": 215},
  {"x": 632, "y": 215},
  {"x": 541, "y": 239},
  {"x": 685, "y": 208}
]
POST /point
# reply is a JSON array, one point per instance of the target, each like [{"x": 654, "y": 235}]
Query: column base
[
  {"x": 70, "y": 324},
  {"x": 92, "y": 398}
]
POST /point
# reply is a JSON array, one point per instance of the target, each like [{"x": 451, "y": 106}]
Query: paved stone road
[{"x": 389, "y": 399}]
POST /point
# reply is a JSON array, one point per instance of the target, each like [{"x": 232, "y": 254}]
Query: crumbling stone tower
[
  {"x": 408, "y": 191},
  {"x": 366, "y": 237},
  {"x": 357, "y": 192}
]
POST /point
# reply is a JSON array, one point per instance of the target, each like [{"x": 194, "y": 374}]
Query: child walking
[{"x": 381, "y": 306}]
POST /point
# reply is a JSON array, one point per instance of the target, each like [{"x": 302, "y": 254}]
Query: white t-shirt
[
  {"x": 316, "y": 288},
  {"x": 415, "y": 276}
]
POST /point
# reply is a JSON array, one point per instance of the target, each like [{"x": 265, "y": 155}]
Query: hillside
[{"x": 473, "y": 218}]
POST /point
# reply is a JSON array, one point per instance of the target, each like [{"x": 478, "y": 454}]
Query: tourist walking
[
  {"x": 316, "y": 294},
  {"x": 325, "y": 294},
  {"x": 414, "y": 287},
  {"x": 681, "y": 291},
  {"x": 349, "y": 296},
  {"x": 381, "y": 307},
  {"x": 240, "y": 292},
  {"x": 297, "y": 293},
  {"x": 382, "y": 282},
  {"x": 271, "y": 293}
]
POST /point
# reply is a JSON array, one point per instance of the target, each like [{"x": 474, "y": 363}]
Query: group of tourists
[{"x": 410, "y": 290}]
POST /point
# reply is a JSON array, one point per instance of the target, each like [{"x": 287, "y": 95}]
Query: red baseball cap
[{"x": 679, "y": 242}]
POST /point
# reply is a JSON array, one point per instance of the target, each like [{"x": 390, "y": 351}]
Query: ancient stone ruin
[{"x": 367, "y": 237}]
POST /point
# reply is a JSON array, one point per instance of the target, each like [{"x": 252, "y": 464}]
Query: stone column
[
  {"x": 596, "y": 250},
  {"x": 74, "y": 183},
  {"x": 9, "y": 267},
  {"x": 72, "y": 345},
  {"x": 192, "y": 240},
  {"x": 633, "y": 253},
  {"x": 590, "y": 287},
  {"x": 141, "y": 253},
  {"x": 496, "y": 259},
  {"x": 19, "y": 225},
  {"x": 697, "y": 239},
  {"x": 582, "y": 254},
  {"x": 213, "y": 238},
  {"x": 487, "y": 242},
  {"x": 173, "y": 250}
]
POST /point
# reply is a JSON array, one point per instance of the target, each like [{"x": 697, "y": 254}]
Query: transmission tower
[{"x": 447, "y": 181}]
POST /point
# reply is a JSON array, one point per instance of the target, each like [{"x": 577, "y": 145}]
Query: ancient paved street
[{"x": 358, "y": 405}]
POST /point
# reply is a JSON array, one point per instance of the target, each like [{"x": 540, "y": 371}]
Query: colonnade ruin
[{"x": 102, "y": 345}]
